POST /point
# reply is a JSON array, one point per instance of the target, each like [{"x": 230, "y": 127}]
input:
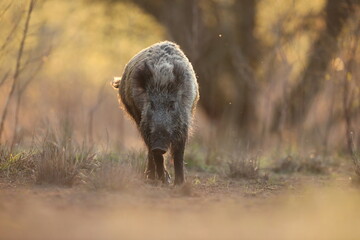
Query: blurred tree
[
  {"x": 223, "y": 41},
  {"x": 245, "y": 58},
  {"x": 25, "y": 49},
  {"x": 322, "y": 52},
  {"x": 18, "y": 66},
  {"x": 205, "y": 31}
]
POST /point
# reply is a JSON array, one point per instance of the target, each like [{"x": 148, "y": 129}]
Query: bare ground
[{"x": 296, "y": 206}]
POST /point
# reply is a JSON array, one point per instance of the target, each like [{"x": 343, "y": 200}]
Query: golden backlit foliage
[
  {"x": 74, "y": 48},
  {"x": 81, "y": 46}
]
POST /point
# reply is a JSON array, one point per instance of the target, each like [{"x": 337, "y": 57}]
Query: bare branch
[
  {"x": 2, "y": 81},
  {"x": 5, "y": 10},
  {"x": 348, "y": 98},
  {"x": 10, "y": 35},
  {"x": 32, "y": 60},
  {"x": 99, "y": 100},
  {"x": 17, "y": 66},
  {"x": 21, "y": 90}
]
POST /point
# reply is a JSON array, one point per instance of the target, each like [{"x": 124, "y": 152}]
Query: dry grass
[
  {"x": 356, "y": 164},
  {"x": 357, "y": 167},
  {"x": 355, "y": 155},
  {"x": 242, "y": 165},
  {"x": 111, "y": 176},
  {"x": 16, "y": 165},
  {"x": 60, "y": 160},
  {"x": 115, "y": 172},
  {"x": 200, "y": 158},
  {"x": 313, "y": 164}
]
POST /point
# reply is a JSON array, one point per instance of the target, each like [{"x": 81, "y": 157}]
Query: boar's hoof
[{"x": 179, "y": 181}]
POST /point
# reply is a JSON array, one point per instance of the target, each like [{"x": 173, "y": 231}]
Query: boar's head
[{"x": 158, "y": 96}]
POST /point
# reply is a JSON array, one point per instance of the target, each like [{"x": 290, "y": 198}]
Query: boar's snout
[
  {"x": 159, "y": 151},
  {"x": 160, "y": 140}
]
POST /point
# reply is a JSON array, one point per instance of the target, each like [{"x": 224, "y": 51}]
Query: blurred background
[
  {"x": 272, "y": 73},
  {"x": 275, "y": 136}
]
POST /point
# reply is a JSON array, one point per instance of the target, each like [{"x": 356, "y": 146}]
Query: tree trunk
[
  {"x": 245, "y": 55},
  {"x": 214, "y": 50},
  {"x": 322, "y": 52}
]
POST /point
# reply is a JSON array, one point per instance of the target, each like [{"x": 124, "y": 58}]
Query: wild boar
[{"x": 159, "y": 90}]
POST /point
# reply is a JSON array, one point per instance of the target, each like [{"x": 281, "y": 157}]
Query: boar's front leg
[
  {"x": 150, "y": 169},
  {"x": 162, "y": 174},
  {"x": 178, "y": 156}
]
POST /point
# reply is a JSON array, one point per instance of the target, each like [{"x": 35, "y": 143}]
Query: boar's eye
[{"x": 171, "y": 105}]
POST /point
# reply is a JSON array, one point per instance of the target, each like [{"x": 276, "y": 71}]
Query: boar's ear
[
  {"x": 116, "y": 82},
  {"x": 143, "y": 75}
]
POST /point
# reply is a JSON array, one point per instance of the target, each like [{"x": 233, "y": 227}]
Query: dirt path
[{"x": 207, "y": 208}]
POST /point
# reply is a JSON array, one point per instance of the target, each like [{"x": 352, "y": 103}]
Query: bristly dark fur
[{"x": 159, "y": 90}]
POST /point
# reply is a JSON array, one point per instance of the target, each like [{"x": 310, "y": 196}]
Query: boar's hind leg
[
  {"x": 150, "y": 169},
  {"x": 178, "y": 156}
]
